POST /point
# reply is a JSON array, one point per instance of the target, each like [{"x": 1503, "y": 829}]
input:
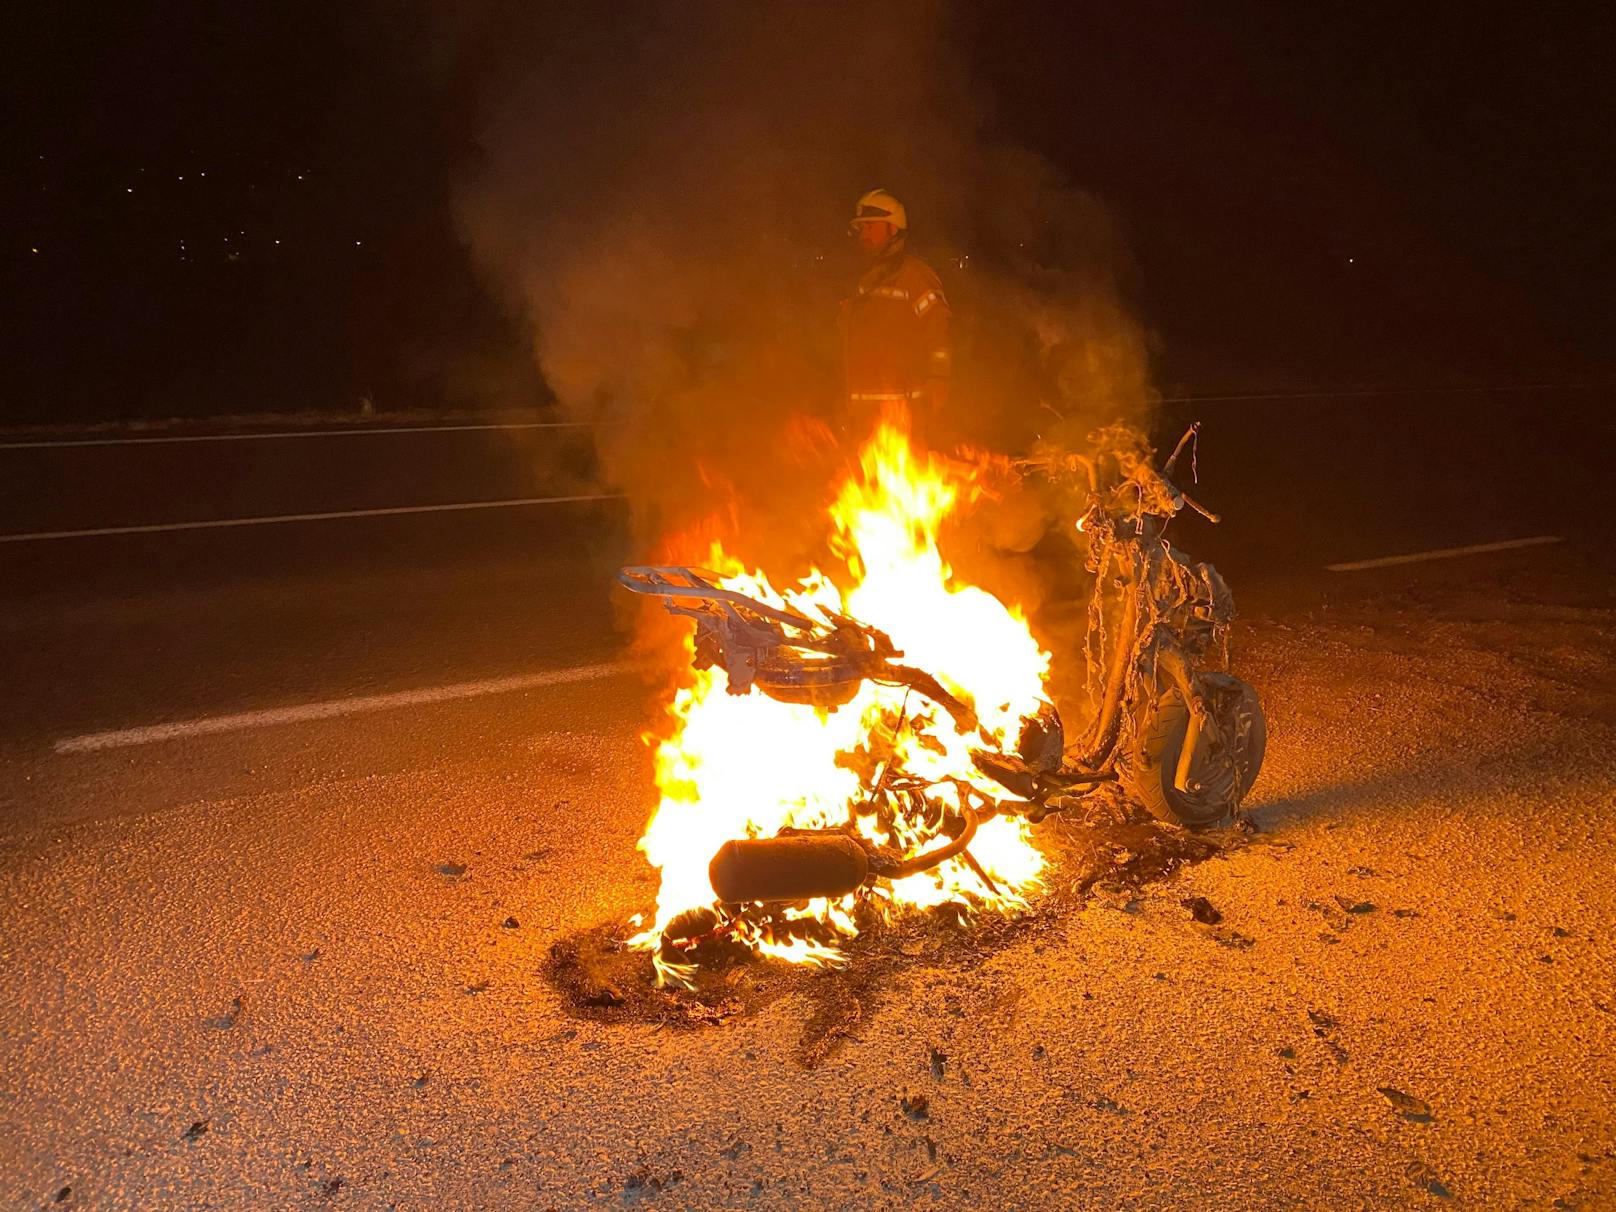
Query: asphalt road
[
  {"x": 1441, "y": 740},
  {"x": 131, "y": 629}
]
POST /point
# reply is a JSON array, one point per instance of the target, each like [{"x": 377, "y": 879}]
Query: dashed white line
[
  {"x": 1444, "y": 553},
  {"x": 217, "y": 523},
  {"x": 330, "y": 709}
]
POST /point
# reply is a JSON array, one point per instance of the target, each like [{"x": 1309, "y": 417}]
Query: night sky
[
  {"x": 238, "y": 208},
  {"x": 1426, "y": 189}
]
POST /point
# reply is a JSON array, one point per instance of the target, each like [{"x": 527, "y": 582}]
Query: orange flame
[{"x": 736, "y": 766}]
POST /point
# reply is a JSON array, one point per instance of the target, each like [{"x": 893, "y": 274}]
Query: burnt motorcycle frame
[
  {"x": 1158, "y": 627},
  {"x": 1157, "y": 643}
]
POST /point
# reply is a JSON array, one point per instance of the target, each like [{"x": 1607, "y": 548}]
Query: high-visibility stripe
[
  {"x": 924, "y": 303},
  {"x": 865, "y": 396}
]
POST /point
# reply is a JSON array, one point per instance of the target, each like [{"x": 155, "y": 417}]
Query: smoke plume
[{"x": 662, "y": 193}]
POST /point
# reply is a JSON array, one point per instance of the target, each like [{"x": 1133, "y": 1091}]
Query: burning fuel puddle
[{"x": 603, "y": 980}]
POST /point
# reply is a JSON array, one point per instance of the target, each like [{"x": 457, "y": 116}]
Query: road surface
[{"x": 284, "y": 852}]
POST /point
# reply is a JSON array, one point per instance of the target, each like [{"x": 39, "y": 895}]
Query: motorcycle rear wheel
[{"x": 1219, "y": 776}]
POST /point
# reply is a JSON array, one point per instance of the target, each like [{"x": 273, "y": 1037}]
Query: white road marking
[
  {"x": 394, "y": 511},
  {"x": 1503, "y": 389},
  {"x": 1444, "y": 553},
  {"x": 121, "y": 738},
  {"x": 270, "y": 435}
]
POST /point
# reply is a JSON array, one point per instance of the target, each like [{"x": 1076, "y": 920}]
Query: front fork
[{"x": 1172, "y": 667}]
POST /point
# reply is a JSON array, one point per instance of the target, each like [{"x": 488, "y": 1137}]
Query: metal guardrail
[
  {"x": 277, "y": 435},
  {"x": 382, "y": 429}
]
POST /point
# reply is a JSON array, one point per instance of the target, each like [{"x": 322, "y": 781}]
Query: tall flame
[{"x": 738, "y": 766}]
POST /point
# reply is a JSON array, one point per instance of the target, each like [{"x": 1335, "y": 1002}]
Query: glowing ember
[{"x": 735, "y": 766}]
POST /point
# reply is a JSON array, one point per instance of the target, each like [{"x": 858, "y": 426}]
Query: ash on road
[{"x": 327, "y": 991}]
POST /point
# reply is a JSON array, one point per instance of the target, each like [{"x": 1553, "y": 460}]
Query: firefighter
[{"x": 895, "y": 327}]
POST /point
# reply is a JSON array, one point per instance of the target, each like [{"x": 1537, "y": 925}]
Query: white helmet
[{"x": 878, "y": 206}]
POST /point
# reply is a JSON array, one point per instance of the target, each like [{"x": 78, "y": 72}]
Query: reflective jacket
[{"x": 895, "y": 331}]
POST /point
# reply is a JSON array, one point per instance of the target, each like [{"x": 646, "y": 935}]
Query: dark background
[{"x": 1314, "y": 197}]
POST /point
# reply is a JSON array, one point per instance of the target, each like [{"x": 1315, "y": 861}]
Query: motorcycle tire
[{"x": 1215, "y": 788}]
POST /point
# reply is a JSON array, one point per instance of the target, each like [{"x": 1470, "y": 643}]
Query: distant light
[
  {"x": 128, "y": 190},
  {"x": 182, "y": 178},
  {"x": 277, "y": 241},
  {"x": 357, "y": 243},
  {"x": 35, "y": 250},
  {"x": 1349, "y": 260},
  {"x": 299, "y": 176}
]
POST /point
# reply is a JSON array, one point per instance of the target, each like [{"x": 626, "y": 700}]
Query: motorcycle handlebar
[{"x": 1166, "y": 489}]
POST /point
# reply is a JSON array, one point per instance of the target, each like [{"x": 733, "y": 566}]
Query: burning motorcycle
[{"x": 1169, "y": 729}]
